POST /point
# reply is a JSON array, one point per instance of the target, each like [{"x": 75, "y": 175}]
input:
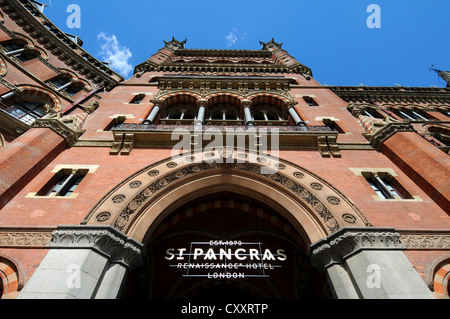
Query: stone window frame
[
  {"x": 135, "y": 95},
  {"x": 387, "y": 174}
]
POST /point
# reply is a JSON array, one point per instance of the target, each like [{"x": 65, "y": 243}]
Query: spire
[
  {"x": 445, "y": 75},
  {"x": 174, "y": 44},
  {"x": 271, "y": 45}
]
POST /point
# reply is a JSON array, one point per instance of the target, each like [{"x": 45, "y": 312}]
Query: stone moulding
[
  {"x": 429, "y": 240},
  {"x": 107, "y": 241},
  {"x": 24, "y": 238},
  {"x": 58, "y": 127},
  {"x": 348, "y": 241},
  {"x": 389, "y": 130}
]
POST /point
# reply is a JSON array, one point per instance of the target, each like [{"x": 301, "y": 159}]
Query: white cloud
[
  {"x": 112, "y": 51},
  {"x": 232, "y": 37}
]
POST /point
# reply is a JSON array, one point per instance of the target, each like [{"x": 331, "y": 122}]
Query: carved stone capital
[
  {"x": 58, "y": 127},
  {"x": 348, "y": 241},
  {"x": 389, "y": 130},
  {"x": 111, "y": 243}
]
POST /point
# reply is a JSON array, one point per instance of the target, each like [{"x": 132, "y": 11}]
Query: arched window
[
  {"x": 64, "y": 83},
  {"x": 439, "y": 279},
  {"x": 26, "y": 110},
  {"x": 442, "y": 134},
  {"x": 18, "y": 49},
  {"x": 266, "y": 112},
  {"x": 27, "y": 106},
  {"x": 224, "y": 112},
  {"x": 182, "y": 111},
  {"x": 411, "y": 114},
  {"x": 371, "y": 112}
]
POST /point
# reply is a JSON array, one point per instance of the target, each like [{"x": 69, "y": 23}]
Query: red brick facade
[{"x": 334, "y": 146}]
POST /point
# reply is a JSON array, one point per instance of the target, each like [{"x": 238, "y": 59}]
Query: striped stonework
[
  {"x": 441, "y": 281},
  {"x": 44, "y": 94},
  {"x": 3, "y": 67},
  {"x": 267, "y": 98},
  {"x": 11, "y": 280}
]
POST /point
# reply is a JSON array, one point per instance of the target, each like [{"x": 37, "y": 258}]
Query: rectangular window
[
  {"x": 333, "y": 125},
  {"x": 386, "y": 186},
  {"x": 310, "y": 101},
  {"x": 137, "y": 99},
  {"x": 115, "y": 122},
  {"x": 63, "y": 184}
]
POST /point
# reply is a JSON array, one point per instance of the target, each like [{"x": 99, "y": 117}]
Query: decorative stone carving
[
  {"x": 333, "y": 200},
  {"x": 349, "y": 218},
  {"x": 118, "y": 199},
  {"x": 161, "y": 183},
  {"x": 58, "y": 127},
  {"x": 423, "y": 240},
  {"x": 153, "y": 173},
  {"x": 337, "y": 247},
  {"x": 23, "y": 238},
  {"x": 299, "y": 175},
  {"x": 118, "y": 247},
  {"x": 103, "y": 217},
  {"x": 172, "y": 165},
  {"x": 387, "y": 131},
  {"x": 135, "y": 184}
]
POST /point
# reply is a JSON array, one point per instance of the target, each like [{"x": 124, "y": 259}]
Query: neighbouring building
[{"x": 213, "y": 173}]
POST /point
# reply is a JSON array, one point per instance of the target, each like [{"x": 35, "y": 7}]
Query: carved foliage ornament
[
  {"x": 106, "y": 240},
  {"x": 144, "y": 196},
  {"x": 336, "y": 248}
]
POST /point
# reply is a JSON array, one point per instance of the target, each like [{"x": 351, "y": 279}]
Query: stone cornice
[
  {"x": 213, "y": 67},
  {"x": 365, "y": 94},
  {"x": 105, "y": 240},
  {"x": 224, "y": 53},
  {"x": 348, "y": 241}
]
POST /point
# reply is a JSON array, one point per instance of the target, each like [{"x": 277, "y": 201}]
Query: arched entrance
[
  {"x": 231, "y": 195},
  {"x": 271, "y": 263},
  {"x": 281, "y": 211}
]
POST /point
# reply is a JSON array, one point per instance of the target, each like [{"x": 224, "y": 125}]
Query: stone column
[
  {"x": 84, "y": 262},
  {"x": 295, "y": 117},
  {"x": 368, "y": 263},
  {"x": 201, "y": 113},
  {"x": 154, "y": 112},
  {"x": 248, "y": 117}
]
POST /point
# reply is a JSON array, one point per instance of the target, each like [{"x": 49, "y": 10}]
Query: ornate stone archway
[
  {"x": 314, "y": 206},
  {"x": 111, "y": 240}
]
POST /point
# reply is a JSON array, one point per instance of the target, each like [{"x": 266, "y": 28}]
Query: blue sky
[{"x": 329, "y": 36}]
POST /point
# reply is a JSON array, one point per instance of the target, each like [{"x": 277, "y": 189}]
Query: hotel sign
[{"x": 218, "y": 259}]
